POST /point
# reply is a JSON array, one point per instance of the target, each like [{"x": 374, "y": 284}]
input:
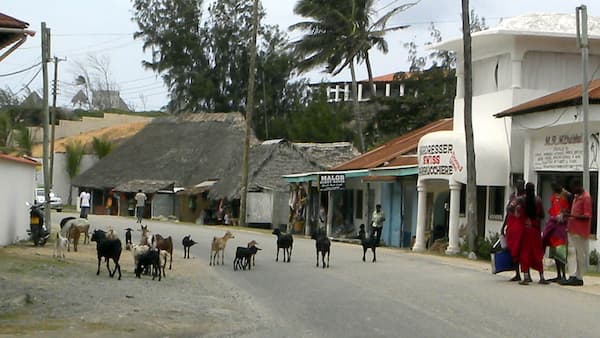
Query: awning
[
  {"x": 198, "y": 188},
  {"x": 314, "y": 176}
]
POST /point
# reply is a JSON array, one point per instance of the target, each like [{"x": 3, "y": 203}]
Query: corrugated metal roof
[
  {"x": 24, "y": 160},
  {"x": 562, "y": 98},
  {"x": 399, "y": 151},
  {"x": 10, "y": 22}
]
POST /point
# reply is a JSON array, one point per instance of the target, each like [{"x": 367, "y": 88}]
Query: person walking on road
[
  {"x": 140, "y": 199},
  {"x": 578, "y": 227},
  {"x": 84, "y": 203},
  {"x": 378, "y": 219}
]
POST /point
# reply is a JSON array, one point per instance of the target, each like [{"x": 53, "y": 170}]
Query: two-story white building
[{"x": 521, "y": 59}]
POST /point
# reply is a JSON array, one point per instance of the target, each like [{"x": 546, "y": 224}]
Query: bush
[
  {"x": 485, "y": 246},
  {"x": 594, "y": 257}
]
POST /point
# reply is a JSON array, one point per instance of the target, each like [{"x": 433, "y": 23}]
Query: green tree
[
  {"x": 74, "y": 154},
  {"x": 101, "y": 147},
  {"x": 24, "y": 140}
]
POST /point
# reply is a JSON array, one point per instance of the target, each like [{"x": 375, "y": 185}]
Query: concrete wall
[
  {"x": 67, "y": 128},
  {"x": 60, "y": 178},
  {"x": 18, "y": 183}
]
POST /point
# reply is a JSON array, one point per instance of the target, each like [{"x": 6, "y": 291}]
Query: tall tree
[
  {"x": 339, "y": 34},
  {"x": 468, "y": 122},
  {"x": 74, "y": 154}
]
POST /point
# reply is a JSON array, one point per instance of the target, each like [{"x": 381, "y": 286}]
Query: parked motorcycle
[{"x": 37, "y": 231}]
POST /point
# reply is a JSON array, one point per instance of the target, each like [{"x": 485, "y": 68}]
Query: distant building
[
  {"x": 385, "y": 85},
  {"x": 104, "y": 99}
]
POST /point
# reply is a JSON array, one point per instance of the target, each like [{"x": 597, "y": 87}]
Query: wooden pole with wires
[{"x": 249, "y": 108}]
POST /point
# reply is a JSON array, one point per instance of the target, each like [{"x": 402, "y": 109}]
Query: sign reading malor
[{"x": 329, "y": 182}]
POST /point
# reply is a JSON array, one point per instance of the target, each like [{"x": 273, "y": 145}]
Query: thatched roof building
[{"x": 185, "y": 150}]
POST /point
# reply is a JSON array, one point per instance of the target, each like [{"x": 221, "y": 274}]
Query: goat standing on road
[
  {"x": 165, "y": 244},
  {"x": 243, "y": 257},
  {"x": 285, "y": 242},
  {"x": 108, "y": 248},
  {"x": 323, "y": 245},
  {"x": 367, "y": 243},
  {"x": 218, "y": 245},
  {"x": 187, "y": 243}
]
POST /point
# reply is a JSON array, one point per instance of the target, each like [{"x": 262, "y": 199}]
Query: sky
[{"x": 104, "y": 29}]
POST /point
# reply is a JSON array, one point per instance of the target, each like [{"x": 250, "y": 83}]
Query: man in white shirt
[
  {"x": 140, "y": 199},
  {"x": 378, "y": 218},
  {"x": 84, "y": 203}
]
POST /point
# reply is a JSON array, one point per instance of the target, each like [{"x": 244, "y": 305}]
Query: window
[
  {"x": 496, "y": 203},
  {"x": 359, "y": 204}
]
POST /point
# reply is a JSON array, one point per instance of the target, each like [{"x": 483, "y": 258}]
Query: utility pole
[
  {"x": 468, "y": 121},
  {"x": 53, "y": 119},
  {"x": 249, "y": 108},
  {"x": 45, "y": 120},
  {"x": 582, "y": 42}
]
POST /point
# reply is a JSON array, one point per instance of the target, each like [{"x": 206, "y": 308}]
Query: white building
[
  {"x": 521, "y": 59},
  {"x": 17, "y": 179}
]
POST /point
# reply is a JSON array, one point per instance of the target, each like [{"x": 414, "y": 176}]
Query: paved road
[{"x": 402, "y": 295}]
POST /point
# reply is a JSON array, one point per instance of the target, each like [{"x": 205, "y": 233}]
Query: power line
[
  {"x": 30, "y": 81},
  {"x": 21, "y": 71}
]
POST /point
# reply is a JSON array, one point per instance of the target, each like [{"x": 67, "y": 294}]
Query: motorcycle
[{"x": 37, "y": 231}]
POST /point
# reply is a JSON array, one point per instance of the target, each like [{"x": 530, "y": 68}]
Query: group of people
[
  {"x": 85, "y": 199},
  {"x": 565, "y": 233}
]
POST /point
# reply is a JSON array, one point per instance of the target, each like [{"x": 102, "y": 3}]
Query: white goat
[{"x": 61, "y": 246}]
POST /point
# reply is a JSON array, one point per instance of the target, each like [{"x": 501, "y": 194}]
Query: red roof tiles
[
  {"x": 24, "y": 160},
  {"x": 397, "y": 152},
  {"x": 562, "y": 98}
]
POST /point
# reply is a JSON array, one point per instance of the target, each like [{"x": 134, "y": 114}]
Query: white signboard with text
[
  {"x": 438, "y": 160},
  {"x": 564, "y": 152}
]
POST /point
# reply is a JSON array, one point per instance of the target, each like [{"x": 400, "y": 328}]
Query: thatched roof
[
  {"x": 268, "y": 161},
  {"x": 329, "y": 154},
  {"x": 148, "y": 186},
  {"x": 187, "y": 150}
]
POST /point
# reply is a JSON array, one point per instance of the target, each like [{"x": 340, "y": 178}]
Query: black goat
[
  {"x": 243, "y": 257},
  {"x": 187, "y": 242},
  {"x": 285, "y": 242},
  {"x": 149, "y": 259},
  {"x": 369, "y": 243},
  {"x": 128, "y": 242},
  {"x": 108, "y": 248},
  {"x": 323, "y": 245}
]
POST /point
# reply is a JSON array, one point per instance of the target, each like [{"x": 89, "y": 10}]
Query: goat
[
  {"x": 218, "y": 245},
  {"x": 369, "y": 243},
  {"x": 251, "y": 244},
  {"x": 149, "y": 259},
  {"x": 128, "y": 242},
  {"x": 61, "y": 246},
  {"x": 108, "y": 248},
  {"x": 285, "y": 242},
  {"x": 163, "y": 261},
  {"x": 110, "y": 233},
  {"x": 145, "y": 239},
  {"x": 187, "y": 242},
  {"x": 323, "y": 245},
  {"x": 166, "y": 244},
  {"x": 137, "y": 251},
  {"x": 243, "y": 256},
  {"x": 82, "y": 225}
]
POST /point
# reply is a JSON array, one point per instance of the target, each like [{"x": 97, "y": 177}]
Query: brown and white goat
[
  {"x": 218, "y": 245},
  {"x": 73, "y": 228},
  {"x": 165, "y": 244}
]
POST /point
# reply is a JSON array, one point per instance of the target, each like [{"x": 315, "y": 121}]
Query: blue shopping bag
[{"x": 502, "y": 261}]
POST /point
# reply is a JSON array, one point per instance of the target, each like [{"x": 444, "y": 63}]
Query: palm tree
[
  {"x": 74, "y": 152},
  {"x": 24, "y": 141},
  {"x": 341, "y": 33},
  {"x": 101, "y": 146}
]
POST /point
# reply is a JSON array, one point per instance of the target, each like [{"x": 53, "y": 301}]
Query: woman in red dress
[
  {"x": 512, "y": 227},
  {"x": 555, "y": 232},
  {"x": 531, "y": 251}
]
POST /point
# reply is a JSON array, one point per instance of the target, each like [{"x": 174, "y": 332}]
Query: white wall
[
  {"x": 18, "y": 183},
  {"x": 61, "y": 180}
]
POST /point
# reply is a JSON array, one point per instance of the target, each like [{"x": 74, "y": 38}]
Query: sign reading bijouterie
[
  {"x": 329, "y": 182},
  {"x": 563, "y": 152},
  {"x": 438, "y": 160}
]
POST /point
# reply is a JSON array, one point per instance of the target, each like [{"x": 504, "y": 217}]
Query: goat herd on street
[{"x": 150, "y": 256}]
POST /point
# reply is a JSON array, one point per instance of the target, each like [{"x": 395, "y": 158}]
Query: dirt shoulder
[{"x": 41, "y": 295}]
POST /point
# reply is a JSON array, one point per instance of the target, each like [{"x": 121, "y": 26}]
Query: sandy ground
[{"x": 43, "y": 296}]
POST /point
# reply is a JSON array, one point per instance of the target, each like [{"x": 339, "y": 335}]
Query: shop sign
[
  {"x": 330, "y": 182},
  {"x": 438, "y": 160},
  {"x": 564, "y": 152}
]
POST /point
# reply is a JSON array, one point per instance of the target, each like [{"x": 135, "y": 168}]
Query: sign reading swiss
[{"x": 329, "y": 182}]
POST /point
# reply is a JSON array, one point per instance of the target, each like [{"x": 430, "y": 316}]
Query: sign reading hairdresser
[
  {"x": 438, "y": 160},
  {"x": 329, "y": 182}
]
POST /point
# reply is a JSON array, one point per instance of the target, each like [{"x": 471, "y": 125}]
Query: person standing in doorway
[
  {"x": 578, "y": 228},
  {"x": 378, "y": 219},
  {"x": 140, "y": 199},
  {"x": 84, "y": 203}
]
